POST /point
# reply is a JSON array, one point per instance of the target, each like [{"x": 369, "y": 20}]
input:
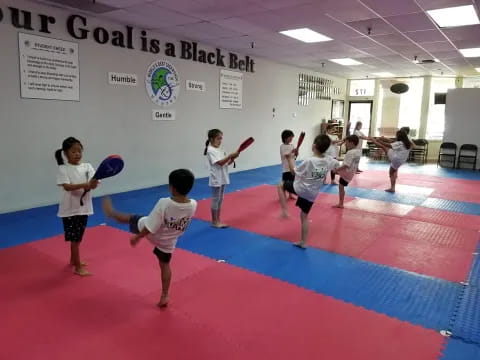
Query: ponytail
[
  {"x": 58, "y": 157},
  {"x": 206, "y": 147}
]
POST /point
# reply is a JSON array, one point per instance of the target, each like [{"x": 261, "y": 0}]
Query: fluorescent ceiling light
[
  {"x": 384, "y": 74},
  {"x": 471, "y": 52},
  {"x": 305, "y": 35},
  {"x": 478, "y": 69},
  {"x": 455, "y": 16},
  {"x": 346, "y": 61}
]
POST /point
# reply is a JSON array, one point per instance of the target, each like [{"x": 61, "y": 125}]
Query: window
[
  {"x": 411, "y": 106},
  {"x": 436, "y": 113},
  {"x": 471, "y": 82}
]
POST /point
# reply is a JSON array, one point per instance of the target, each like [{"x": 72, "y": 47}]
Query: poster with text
[
  {"x": 231, "y": 89},
  {"x": 48, "y": 68}
]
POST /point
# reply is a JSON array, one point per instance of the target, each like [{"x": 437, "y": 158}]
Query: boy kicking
[
  {"x": 349, "y": 167},
  {"x": 309, "y": 176},
  {"x": 168, "y": 220}
]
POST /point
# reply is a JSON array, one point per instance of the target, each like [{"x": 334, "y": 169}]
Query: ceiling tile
[
  {"x": 377, "y": 26},
  {"x": 470, "y": 32},
  {"x": 121, "y": 3},
  {"x": 241, "y": 26},
  {"x": 411, "y": 22},
  {"x": 392, "y": 39},
  {"x": 438, "y": 46},
  {"x": 392, "y": 7},
  {"x": 440, "y": 4},
  {"x": 425, "y": 36}
]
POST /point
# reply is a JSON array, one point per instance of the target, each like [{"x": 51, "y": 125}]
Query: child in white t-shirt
[
  {"x": 397, "y": 152},
  {"x": 167, "y": 221},
  {"x": 349, "y": 167},
  {"x": 361, "y": 137},
  {"x": 286, "y": 150},
  {"x": 219, "y": 162},
  {"x": 309, "y": 176},
  {"x": 333, "y": 150},
  {"x": 74, "y": 177}
]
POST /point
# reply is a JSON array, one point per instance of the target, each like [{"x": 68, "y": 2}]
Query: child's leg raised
[{"x": 110, "y": 212}]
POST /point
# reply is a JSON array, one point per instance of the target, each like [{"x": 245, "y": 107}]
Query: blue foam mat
[
  {"x": 459, "y": 350},
  {"x": 466, "y": 325},
  {"x": 407, "y": 296}
]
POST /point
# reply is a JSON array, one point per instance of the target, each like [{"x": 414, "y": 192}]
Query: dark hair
[
  {"x": 405, "y": 129},
  {"x": 330, "y": 126},
  {"x": 181, "y": 180},
  {"x": 66, "y": 145},
  {"x": 212, "y": 134},
  {"x": 353, "y": 139},
  {"x": 356, "y": 124},
  {"x": 322, "y": 143},
  {"x": 402, "y": 136},
  {"x": 286, "y": 134}
]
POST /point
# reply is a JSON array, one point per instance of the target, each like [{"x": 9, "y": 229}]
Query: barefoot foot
[
  {"x": 81, "y": 272},
  {"x": 390, "y": 190},
  {"x": 163, "y": 301},
  {"x": 300, "y": 245},
  {"x": 339, "y": 206},
  {"x": 220, "y": 226}
]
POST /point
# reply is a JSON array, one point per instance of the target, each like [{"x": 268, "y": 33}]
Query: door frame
[{"x": 371, "y": 112}]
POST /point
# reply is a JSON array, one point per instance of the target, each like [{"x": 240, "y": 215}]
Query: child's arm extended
[
  {"x": 228, "y": 160},
  {"x": 134, "y": 240}
]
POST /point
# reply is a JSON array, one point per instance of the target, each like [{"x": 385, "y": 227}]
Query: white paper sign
[
  {"x": 48, "y": 68},
  {"x": 163, "y": 115},
  {"x": 122, "y": 79},
  {"x": 195, "y": 85},
  {"x": 231, "y": 90}
]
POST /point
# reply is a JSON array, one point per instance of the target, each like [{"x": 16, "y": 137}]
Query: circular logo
[{"x": 162, "y": 83}]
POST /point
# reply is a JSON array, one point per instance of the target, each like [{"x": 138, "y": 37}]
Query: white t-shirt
[
  {"x": 360, "y": 140},
  {"x": 284, "y": 150},
  {"x": 352, "y": 158},
  {"x": 70, "y": 200},
  {"x": 218, "y": 174},
  {"x": 167, "y": 221},
  {"x": 309, "y": 176},
  {"x": 398, "y": 154},
  {"x": 333, "y": 148}
]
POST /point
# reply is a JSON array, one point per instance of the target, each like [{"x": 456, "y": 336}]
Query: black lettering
[
  {"x": 71, "y": 27},
  {"x": 129, "y": 37},
  {"x": 154, "y": 46},
  {"x": 118, "y": 39},
  {"x": 186, "y": 50},
  {"x": 241, "y": 65},
  {"x": 44, "y": 22},
  {"x": 100, "y": 35},
  {"x": 202, "y": 56},
  {"x": 250, "y": 64},
  {"x": 144, "y": 41},
  {"x": 194, "y": 51},
  {"x": 233, "y": 61},
  {"x": 170, "y": 49},
  {"x": 211, "y": 58},
  {"x": 27, "y": 19},
  {"x": 220, "y": 58}
]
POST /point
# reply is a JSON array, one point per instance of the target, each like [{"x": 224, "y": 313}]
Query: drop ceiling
[{"x": 399, "y": 31}]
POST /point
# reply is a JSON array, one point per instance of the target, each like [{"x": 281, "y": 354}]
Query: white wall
[
  {"x": 462, "y": 117},
  {"x": 117, "y": 119}
]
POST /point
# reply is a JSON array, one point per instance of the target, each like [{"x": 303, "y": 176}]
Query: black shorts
[
  {"x": 343, "y": 182},
  {"x": 162, "y": 256},
  {"x": 304, "y": 204},
  {"x": 288, "y": 176},
  {"x": 74, "y": 227}
]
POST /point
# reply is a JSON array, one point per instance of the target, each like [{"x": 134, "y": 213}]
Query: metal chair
[
  {"x": 468, "y": 155},
  {"x": 420, "y": 152},
  {"x": 447, "y": 152}
]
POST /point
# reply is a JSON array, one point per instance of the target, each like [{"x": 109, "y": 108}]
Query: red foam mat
[
  {"x": 217, "y": 311},
  {"x": 392, "y": 240},
  {"x": 434, "y": 186}
]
